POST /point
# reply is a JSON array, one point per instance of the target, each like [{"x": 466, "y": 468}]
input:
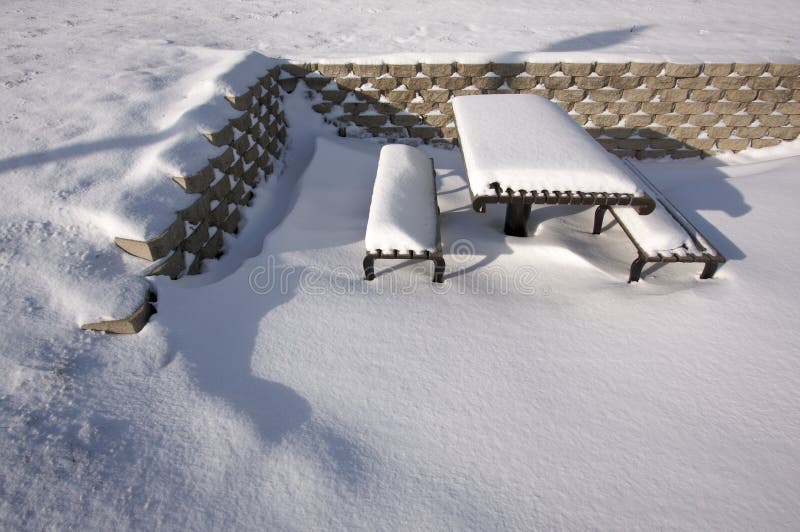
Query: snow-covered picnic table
[{"x": 522, "y": 149}]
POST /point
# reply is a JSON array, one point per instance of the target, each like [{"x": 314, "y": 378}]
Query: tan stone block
[
  {"x": 355, "y": 107},
  {"x": 388, "y": 131},
  {"x": 383, "y": 83},
  {"x": 785, "y": 133},
  {"x": 565, "y": 106},
  {"x": 685, "y": 132},
  {"x": 749, "y": 69},
  {"x": 781, "y": 70},
  {"x": 417, "y": 83},
  {"x": 521, "y": 82},
  {"x": 685, "y": 154},
  {"x": 370, "y": 71},
  {"x": 651, "y": 154},
  {"x": 682, "y": 70},
  {"x": 666, "y": 144},
  {"x": 591, "y": 82},
  {"x": 541, "y": 69},
  {"x": 660, "y": 82},
  {"x": 705, "y": 95},
  {"x": 618, "y": 132},
  {"x": 298, "y": 70},
  {"x": 453, "y": 82},
  {"x": 717, "y": 69},
  {"x": 727, "y": 83},
  {"x": 589, "y": 107},
  {"x": 657, "y": 108},
  {"x": 577, "y": 69},
  {"x": 760, "y": 108},
  {"x": 732, "y": 144},
  {"x": 741, "y": 95},
  {"x": 172, "y": 267},
  {"x": 508, "y": 69},
  {"x": 423, "y": 132},
  {"x": 638, "y": 120},
  {"x": 750, "y": 132},
  {"x": 633, "y": 144},
  {"x": 778, "y": 95},
  {"x": 725, "y": 108},
  {"x": 775, "y": 120},
  {"x": 403, "y": 71},
  {"x": 705, "y": 119},
  {"x": 794, "y": 120},
  {"x": 788, "y": 108},
  {"x": 673, "y": 95},
  {"x": 624, "y": 82},
  {"x": 738, "y": 120},
  {"x": 544, "y": 93},
  {"x": 611, "y": 69},
  {"x": 569, "y": 95},
  {"x": 605, "y": 95},
  {"x": 557, "y": 82},
  {"x": 764, "y": 143},
  {"x": 762, "y": 83},
  {"x": 638, "y": 95},
  {"x": 700, "y": 82},
  {"x": 719, "y": 132},
  {"x": 700, "y": 144},
  {"x": 323, "y": 107},
  {"x": 333, "y": 71},
  {"x": 691, "y": 108},
  {"x": 420, "y": 108},
  {"x": 624, "y": 108},
  {"x": 371, "y": 120},
  {"x": 316, "y": 83},
  {"x": 581, "y": 119},
  {"x": 467, "y": 92},
  {"x": 488, "y": 82},
  {"x": 670, "y": 119},
  {"x": 348, "y": 83},
  {"x": 608, "y": 144},
  {"x": 472, "y": 70},
  {"x": 400, "y": 95},
  {"x": 405, "y": 119},
  {"x": 437, "y": 70},
  {"x": 446, "y": 108},
  {"x": 593, "y": 131},
  {"x": 605, "y": 120},
  {"x": 437, "y": 120},
  {"x": 435, "y": 96},
  {"x": 334, "y": 95},
  {"x": 790, "y": 83},
  {"x": 224, "y": 160},
  {"x": 646, "y": 69}
]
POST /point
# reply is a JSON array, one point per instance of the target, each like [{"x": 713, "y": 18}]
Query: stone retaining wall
[
  {"x": 255, "y": 140},
  {"x": 633, "y": 109}
]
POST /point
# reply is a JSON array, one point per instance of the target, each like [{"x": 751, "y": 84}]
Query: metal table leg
[{"x": 517, "y": 215}]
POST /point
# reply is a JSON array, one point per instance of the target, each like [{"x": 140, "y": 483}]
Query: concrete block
[
  {"x": 781, "y": 70},
  {"x": 762, "y": 83},
  {"x": 417, "y": 83},
  {"x": 646, "y": 69},
  {"x": 250, "y": 175},
  {"x": 773, "y": 120},
  {"x": 638, "y": 95},
  {"x": 298, "y": 70},
  {"x": 405, "y": 119},
  {"x": 453, "y": 82},
  {"x": 778, "y": 95},
  {"x": 316, "y": 83},
  {"x": 197, "y": 182},
  {"x": 737, "y": 120},
  {"x": 611, "y": 69},
  {"x": 385, "y": 83},
  {"x": 706, "y": 95},
  {"x": 750, "y": 132},
  {"x": 605, "y": 120},
  {"x": 565, "y": 106},
  {"x": 197, "y": 211},
  {"x": 580, "y": 119},
  {"x": 371, "y": 120},
  {"x": 638, "y": 120},
  {"x": 725, "y": 108},
  {"x": 569, "y": 95},
  {"x": 541, "y": 69},
  {"x": 333, "y": 71},
  {"x": 788, "y": 108},
  {"x": 288, "y": 84},
  {"x": 370, "y": 71},
  {"x": 717, "y": 69},
  {"x": 544, "y": 93},
  {"x": 400, "y": 95},
  {"x": 355, "y": 107},
  {"x": 624, "y": 82},
  {"x": 764, "y": 143},
  {"x": 242, "y": 144},
  {"x": 488, "y": 82},
  {"x": 423, "y": 132},
  {"x": 172, "y": 266},
  {"x": 222, "y": 137},
  {"x": 521, "y": 82},
  {"x": 660, "y": 82},
  {"x": 388, "y": 131},
  {"x": 334, "y": 95},
  {"x": 557, "y": 82},
  {"x": 130, "y": 324},
  {"x": 654, "y": 131},
  {"x": 589, "y": 107},
  {"x": 719, "y": 132},
  {"x": 741, "y": 95},
  {"x": 577, "y": 69},
  {"x": 218, "y": 213},
  {"x": 467, "y": 92},
  {"x": 732, "y": 144},
  {"x": 240, "y": 102},
  {"x": 691, "y": 108},
  {"x": 213, "y": 248},
  {"x": 437, "y": 70},
  {"x": 665, "y": 144},
  {"x": 403, "y": 71},
  {"x": 682, "y": 70},
  {"x": 700, "y": 82},
  {"x": 236, "y": 195},
  {"x": 323, "y": 107},
  {"x": 785, "y": 133},
  {"x": 591, "y": 82},
  {"x": 633, "y": 144},
  {"x": 673, "y": 95},
  {"x": 618, "y": 132},
  {"x": 604, "y": 95},
  {"x": 156, "y": 247},
  {"x": 685, "y": 154},
  {"x": 791, "y": 83},
  {"x": 349, "y": 83},
  {"x": 727, "y": 82},
  {"x": 706, "y": 145},
  {"x": 760, "y": 108},
  {"x": 750, "y": 69},
  {"x": 420, "y": 108},
  {"x": 231, "y": 223},
  {"x": 194, "y": 242},
  {"x": 651, "y": 154},
  {"x": 507, "y": 69},
  {"x": 223, "y": 160},
  {"x": 435, "y": 96},
  {"x": 657, "y": 108},
  {"x": 437, "y": 120},
  {"x": 220, "y": 189},
  {"x": 685, "y": 132},
  {"x": 670, "y": 119}
]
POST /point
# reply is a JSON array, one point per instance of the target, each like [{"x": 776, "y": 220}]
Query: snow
[
  {"x": 526, "y": 142},
  {"x": 402, "y": 213},
  {"x": 533, "y": 389}
]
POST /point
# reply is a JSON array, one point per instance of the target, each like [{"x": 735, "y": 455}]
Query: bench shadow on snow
[{"x": 595, "y": 40}]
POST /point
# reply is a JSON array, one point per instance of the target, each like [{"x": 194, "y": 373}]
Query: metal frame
[{"x": 437, "y": 256}]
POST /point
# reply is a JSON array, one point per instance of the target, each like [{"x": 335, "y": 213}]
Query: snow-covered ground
[{"x": 534, "y": 389}]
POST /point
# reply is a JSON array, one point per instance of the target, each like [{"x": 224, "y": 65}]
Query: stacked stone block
[
  {"x": 253, "y": 141},
  {"x": 633, "y": 109}
]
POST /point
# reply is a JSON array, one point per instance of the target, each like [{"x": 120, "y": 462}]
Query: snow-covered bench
[
  {"x": 404, "y": 214},
  {"x": 665, "y": 235}
]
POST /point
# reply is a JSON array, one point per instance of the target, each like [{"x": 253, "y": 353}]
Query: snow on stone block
[
  {"x": 526, "y": 142},
  {"x": 403, "y": 213}
]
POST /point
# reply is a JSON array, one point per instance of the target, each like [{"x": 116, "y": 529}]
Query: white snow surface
[
  {"x": 255, "y": 399},
  {"x": 658, "y": 232},
  {"x": 526, "y": 142},
  {"x": 402, "y": 213}
]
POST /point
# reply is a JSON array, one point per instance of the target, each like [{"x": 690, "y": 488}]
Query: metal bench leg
[
  {"x": 709, "y": 270},
  {"x": 369, "y": 268},
  {"x": 438, "y": 270},
  {"x": 636, "y": 270},
  {"x": 598, "y": 219},
  {"x": 517, "y": 215}
]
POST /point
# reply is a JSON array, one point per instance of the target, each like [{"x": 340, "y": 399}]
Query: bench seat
[
  {"x": 665, "y": 235},
  {"x": 404, "y": 214}
]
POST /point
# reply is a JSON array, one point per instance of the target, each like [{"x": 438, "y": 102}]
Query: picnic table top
[{"x": 513, "y": 142}]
